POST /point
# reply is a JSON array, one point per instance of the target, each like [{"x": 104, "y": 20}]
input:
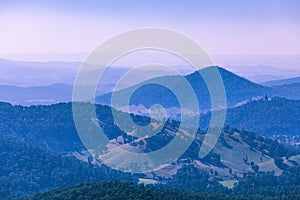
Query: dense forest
[
  {"x": 25, "y": 169},
  {"x": 116, "y": 191}
]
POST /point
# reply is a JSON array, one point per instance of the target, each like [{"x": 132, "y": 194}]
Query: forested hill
[
  {"x": 52, "y": 127},
  {"x": 267, "y": 117},
  {"x": 275, "y": 116},
  {"x": 25, "y": 169}
]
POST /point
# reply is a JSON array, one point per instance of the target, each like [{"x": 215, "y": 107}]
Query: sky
[{"x": 69, "y": 30}]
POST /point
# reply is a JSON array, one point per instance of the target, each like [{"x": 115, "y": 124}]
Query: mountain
[
  {"x": 26, "y": 83},
  {"x": 281, "y": 82},
  {"x": 146, "y": 93}
]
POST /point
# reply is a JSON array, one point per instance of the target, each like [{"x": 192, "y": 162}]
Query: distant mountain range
[
  {"x": 263, "y": 73},
  {"x": 282, "y": 82},
  {"x": 290, "y": 91},
  {"x": 36, "y": 94},
  {"x": 25, "y": 73},
  {"x": 20, "y": 73},
  {"x": 238, "y": 90}
]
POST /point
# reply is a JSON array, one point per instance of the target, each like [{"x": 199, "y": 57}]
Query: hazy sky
[{"x": 63, "y": 28}]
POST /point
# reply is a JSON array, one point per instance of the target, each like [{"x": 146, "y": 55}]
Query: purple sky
[{"x": 228, "y": 30}]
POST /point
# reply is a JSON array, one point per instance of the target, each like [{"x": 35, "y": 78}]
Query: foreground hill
[
  {"x": 117, "y": 190},
  {"x": 127, "y": 191}
]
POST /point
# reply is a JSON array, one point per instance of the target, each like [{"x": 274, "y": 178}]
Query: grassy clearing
[{"x": 229, "y": 183}]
